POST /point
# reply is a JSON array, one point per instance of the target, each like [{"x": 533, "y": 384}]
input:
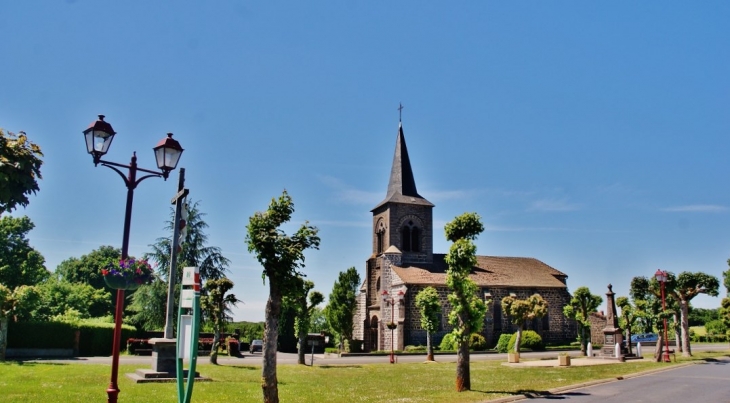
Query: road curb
[{"x": 567, "y": 388}]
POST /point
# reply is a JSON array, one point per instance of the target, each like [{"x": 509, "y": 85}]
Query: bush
[
  {"x": 448, "y": 343},
  {"x": 530, "y": 340},
  {"x": 415, "y": 348},
  {"x": 353, "y": 346},
  {"x": 40, "y": 335},
  {"x": 477, "y": 342},
  {"x": 503, "y": 343}
]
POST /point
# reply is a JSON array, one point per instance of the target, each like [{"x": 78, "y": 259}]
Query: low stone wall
[{"x": 39, "y": 352}]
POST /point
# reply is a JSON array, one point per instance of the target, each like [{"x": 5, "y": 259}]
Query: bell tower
[{"x": 404, "y": 219}]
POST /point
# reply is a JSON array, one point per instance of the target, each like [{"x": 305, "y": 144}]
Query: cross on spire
[{"x": 400, "y": 112}]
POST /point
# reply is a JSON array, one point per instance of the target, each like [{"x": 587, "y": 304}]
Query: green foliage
[
  {"x": 20, "y": 264},
  {"x": 342, "y": 302},
  {"x": 581, "y": 305},
  {"x": 317, "y": 321},
  {"x": 149, "y": 301},
  {"x": 521, "y": 310},
  {"x": 216, "y": 306},
  {"x": 503, "y": 343},
  {"x": 41, "y": 335},
  {"x": 530, "y": 340},
  {"x": 96, "y": 339},
  {"x": 87, "y": 268},
  {"x": 466, "y": 226},
  {"x": 448, "y": 343},
  {"x": 468, "y": 309},
  {"x": 477, "y": 342},
  {"x": 429, "y": 306},
  {"x": 700, "y": 316},
  {"x": 58, "y": 297},
  {"x": 20, "y": 170},
  {"x": 248, "y": 330},
  {"x": 716, "y": 327}
]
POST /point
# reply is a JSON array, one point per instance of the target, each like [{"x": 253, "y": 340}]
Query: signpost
[{"x": 188, "y": 331}]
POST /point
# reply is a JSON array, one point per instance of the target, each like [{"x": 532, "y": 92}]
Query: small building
[{"x": 403, "y": 263}]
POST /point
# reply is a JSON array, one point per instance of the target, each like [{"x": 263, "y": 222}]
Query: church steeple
[{"x": 402, "y": 185}]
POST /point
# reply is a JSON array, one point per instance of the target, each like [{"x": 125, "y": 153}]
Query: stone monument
[{"x": 612, "y": 333}]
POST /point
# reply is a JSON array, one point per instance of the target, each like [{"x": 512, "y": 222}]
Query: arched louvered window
[{"x": 410, "y": 238}]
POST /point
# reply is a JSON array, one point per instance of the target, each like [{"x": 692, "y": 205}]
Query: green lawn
[{"x": 41, "y": 382}]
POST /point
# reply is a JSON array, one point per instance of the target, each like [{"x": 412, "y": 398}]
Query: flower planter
[
  {"x": 391, "y": 325},
  {"x": 121, "y": 283},
  {"x": 564, "y": 360},
  {"x": 513, "y": 358}
]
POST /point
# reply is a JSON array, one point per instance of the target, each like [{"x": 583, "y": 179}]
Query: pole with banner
[{"x": 188, "y": 326}]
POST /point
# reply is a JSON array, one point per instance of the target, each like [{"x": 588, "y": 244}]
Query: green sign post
[{"x": 188, "y": 326}]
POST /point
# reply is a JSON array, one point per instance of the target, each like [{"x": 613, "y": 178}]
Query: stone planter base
[
  {"x": 564, "y": 360},
  {"x": 513, "y": 358}
]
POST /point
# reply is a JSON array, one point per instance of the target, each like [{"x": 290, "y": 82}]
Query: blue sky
[{"x": 590, "y": 135}]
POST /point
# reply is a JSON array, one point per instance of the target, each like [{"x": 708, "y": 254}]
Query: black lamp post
[
  {"x": 391, "y": 300},
  {"x": 661, "y": 277},
  {"x": 99, "y": 137}
]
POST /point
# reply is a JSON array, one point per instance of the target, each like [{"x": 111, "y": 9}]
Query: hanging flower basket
[
  {"x": 391, "y": 325},
  {"x": 127, "y": 274}
]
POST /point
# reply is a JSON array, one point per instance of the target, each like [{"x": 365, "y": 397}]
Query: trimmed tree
[
  {"x": 581, "y": 305},
  {"x": 429, "y": 306},
  {"x": 683, "y": 289},
  {"x": 522, "y": 310},
  {"x": 303, "y": 314},
  {"x": 629, "y": 314},
  {"x": 281, "y": 256},
  {"x": 342, "y": 303},
  {"x": 467, "y": 313},
  {"x": 216, "y": 306}
]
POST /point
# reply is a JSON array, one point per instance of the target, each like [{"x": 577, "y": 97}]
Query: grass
[{"x": 419, "y": 382}]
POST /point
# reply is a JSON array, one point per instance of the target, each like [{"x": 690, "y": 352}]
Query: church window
[
  {"x": 380, "y": 238},
  {"x": 410, "y": 237},
  {"x": 546, "y": 323}
]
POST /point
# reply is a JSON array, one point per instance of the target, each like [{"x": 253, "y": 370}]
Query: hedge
[{"x": 95, "y": 339}]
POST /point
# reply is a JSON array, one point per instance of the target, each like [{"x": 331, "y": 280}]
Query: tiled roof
[{"x": 491, "y": 271}]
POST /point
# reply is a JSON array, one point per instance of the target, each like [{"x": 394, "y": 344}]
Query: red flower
[{"x": 104, "y": 272}]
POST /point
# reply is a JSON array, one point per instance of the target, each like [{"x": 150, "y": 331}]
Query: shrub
[
  {"x": 530, "y": 340},
  {"x": 415, "y": 348},
  {"x": 503, "y": 343},
  {"x": 477, "y": 342},
  {"x": 353, "y": 346},
  {"x": 448, "y": 343}
]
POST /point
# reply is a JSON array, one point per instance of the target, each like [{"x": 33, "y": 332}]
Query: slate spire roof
[{"x": 402, "y": 185}]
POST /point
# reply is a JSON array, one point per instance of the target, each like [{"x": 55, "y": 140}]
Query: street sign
[
  {"x": 189, "y": 275},
  {"x": 186, "y": 298}
]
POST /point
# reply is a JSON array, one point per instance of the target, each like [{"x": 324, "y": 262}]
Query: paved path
[{"x": 701, "y": 382}]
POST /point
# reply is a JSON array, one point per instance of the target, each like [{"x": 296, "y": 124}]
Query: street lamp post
[
  {"x": 99, "y": 136},
  {"x": 661, "y": 277},
  {"x": 391, "y": 300}
]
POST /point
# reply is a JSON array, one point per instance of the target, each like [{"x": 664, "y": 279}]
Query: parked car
[
  {"x": 256, "y": 345},
  {"x": 644, "y": 337}
]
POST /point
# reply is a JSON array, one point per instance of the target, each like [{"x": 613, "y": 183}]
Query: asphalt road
[
  {"x": 708, "y": 382},
  {"x": 321, "y": 359}
]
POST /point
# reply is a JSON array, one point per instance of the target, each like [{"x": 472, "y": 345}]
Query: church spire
[{"x": 402, "y": 185}]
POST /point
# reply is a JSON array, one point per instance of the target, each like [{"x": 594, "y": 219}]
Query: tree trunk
[
  {"x": 659, "y": 348},
  {"x": 429, "y": 347},
  {"x": 463, "y": 377},
  {"x": 677, "y": 336},
  {"x": 583, "y": 341},
  {"x": 628, "y": 338},
  {"x": 301, "y": 350},
  {"x": 3, "y": 336},
  {"x": 684, "y": 318},
  {"x": 216, "y": 345},
  {"x": 269, "y": 383},
  {"x": 518, "y": 340}
]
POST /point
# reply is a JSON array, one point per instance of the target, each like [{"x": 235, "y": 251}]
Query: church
[{"x": 403, "y": 263}]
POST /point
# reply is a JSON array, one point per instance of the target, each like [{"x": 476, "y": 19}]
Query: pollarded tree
[
  {"x": 725, "y": 304},
  {"x": 303, "y": 313},
  {"x": 629, "y": 315},
  {"x": 581, "y": 305},
  {"x": 522, "y": 310},
  {"x": 429, "y": 305},
  {"x": 20, "y": 170},
  {"x": 683, "y": 289},
  {"x": 467, "y": 312},
  {"x": 281, "y": 256},
  {"x": 646, "y": 294},
  {"x": 342, "y": 303},
  {"x": 216, "y": 306}
]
